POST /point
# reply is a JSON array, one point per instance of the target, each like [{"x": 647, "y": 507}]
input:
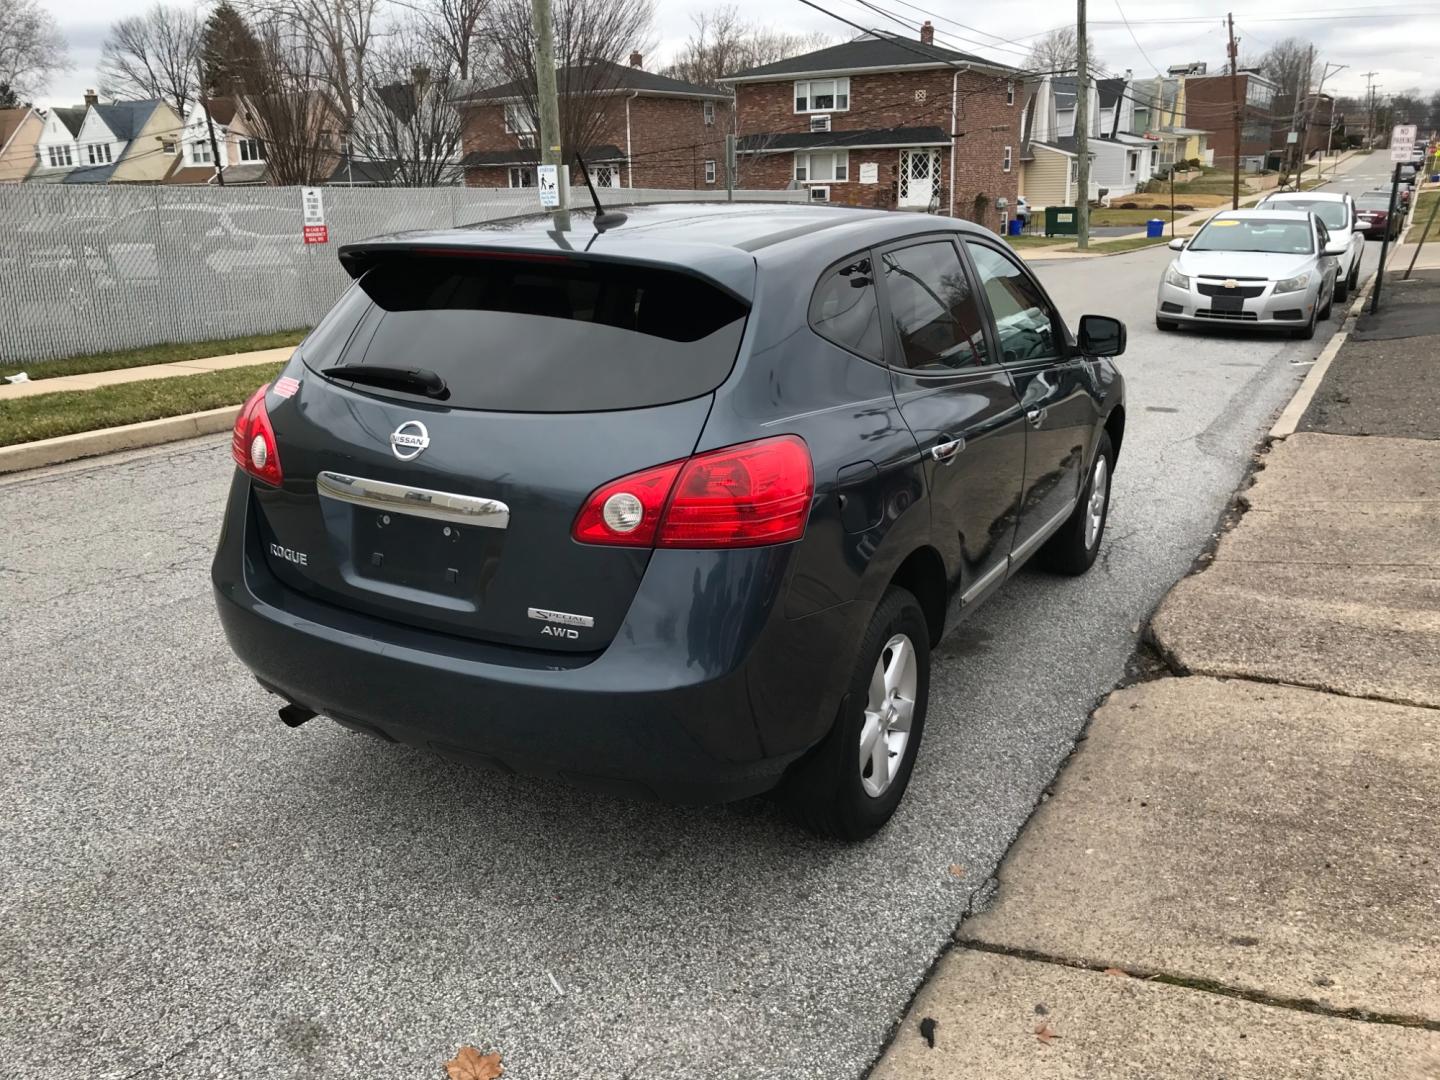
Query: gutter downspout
[
  {"x": 954, "y": 133},
  {"x": 629, "y": 160}
]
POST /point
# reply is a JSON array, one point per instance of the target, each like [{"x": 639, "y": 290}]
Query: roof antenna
[{"x": 604, "y": 219}]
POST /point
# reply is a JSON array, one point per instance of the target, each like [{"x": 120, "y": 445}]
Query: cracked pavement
[{"x": 191, "y": 890}]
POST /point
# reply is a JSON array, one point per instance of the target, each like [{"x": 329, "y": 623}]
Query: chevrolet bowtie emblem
[{"x": 1230, "y": 283}]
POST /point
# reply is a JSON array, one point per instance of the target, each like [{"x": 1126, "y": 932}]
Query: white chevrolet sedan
[
  {"x": 1336, "y": 211},
  {"x": 1264, "y": 268}
]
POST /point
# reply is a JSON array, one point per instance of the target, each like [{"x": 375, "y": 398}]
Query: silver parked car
[
  {"x": 1268, "y": 268},
  {"x": 1336, "y": 210}
]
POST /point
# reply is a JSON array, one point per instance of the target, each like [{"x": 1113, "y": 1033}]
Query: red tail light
[
  {"x": 742, "y": 496},
  {"x": 252, "y": 444}
]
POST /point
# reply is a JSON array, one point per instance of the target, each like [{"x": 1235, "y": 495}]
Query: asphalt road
[{"x": 190, "y": 890}]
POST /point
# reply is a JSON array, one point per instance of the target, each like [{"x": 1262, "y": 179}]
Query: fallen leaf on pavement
[
  {"x": 1121, "y": 972},
  {"x": 469, "y": 1064},
  {"x": 956, "y": 870},
  {"x": 1044, "y": 1034},
  {"x": 927, "y": 1030}
]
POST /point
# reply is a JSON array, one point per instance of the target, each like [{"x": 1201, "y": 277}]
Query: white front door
[{"x": 919, "y": 176}]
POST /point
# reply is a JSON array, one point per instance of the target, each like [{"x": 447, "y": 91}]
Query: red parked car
[{"x": 1372, "y": 213}]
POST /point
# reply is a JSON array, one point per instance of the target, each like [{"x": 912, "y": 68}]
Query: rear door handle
[
  {"x": 1035, "y": 416},
  {"x": 946, "y": 452}
]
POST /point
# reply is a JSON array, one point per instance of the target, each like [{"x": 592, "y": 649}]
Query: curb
[
  {"x": 1290, "y": 417},
  {"x": 36, "y": 455}
]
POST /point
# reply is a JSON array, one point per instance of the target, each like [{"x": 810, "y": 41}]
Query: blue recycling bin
[
  {"x": 1154, "y": 228},
  {"x": 1016, "y": 225}
]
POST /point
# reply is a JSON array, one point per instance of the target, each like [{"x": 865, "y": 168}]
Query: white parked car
[
  {"x": 1342, "y": 220},
  {"x": 1268, "y": 268}
]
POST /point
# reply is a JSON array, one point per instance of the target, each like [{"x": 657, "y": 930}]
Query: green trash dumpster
[{"x": 1062, "y": 221}]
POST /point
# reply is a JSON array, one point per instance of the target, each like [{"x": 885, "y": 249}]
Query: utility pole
[
  {"x": 1325, "y": 73},
  {"x": 548, "y": 100},
  {"x": 1082, "y": 130},
  {"x": 730, "y": 167},
  {"x": 1235, "y": 110},
  {"x": 1370, "y": 108}
]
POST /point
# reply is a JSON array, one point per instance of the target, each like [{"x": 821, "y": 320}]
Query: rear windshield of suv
[{"x": 535, "y": 335}]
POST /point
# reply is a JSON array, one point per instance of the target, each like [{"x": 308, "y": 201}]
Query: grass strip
[
  {"x": 44, "y": 416},
  {"x": 1131, "y": 243},
  {"x": 168, "y": 353},
  {"x": 1038, "y": 241}
]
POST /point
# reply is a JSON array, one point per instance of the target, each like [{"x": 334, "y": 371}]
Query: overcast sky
[{"x": 1399, "y": 41}]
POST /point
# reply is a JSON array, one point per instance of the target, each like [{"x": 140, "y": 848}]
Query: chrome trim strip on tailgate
[{"x": 417, "y": 502}]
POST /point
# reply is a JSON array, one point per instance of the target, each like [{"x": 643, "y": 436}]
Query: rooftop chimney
[
  {"x": 927, "y": 33},
  {"x": 91, "y": 98},
  {"x": 636, "y": 60}
]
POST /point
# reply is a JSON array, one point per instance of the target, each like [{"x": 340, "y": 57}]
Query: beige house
[
  {"x": 19, "y": 135},
  {"x": 241, "y": 152},
  {"x": 126, "y": 142}
]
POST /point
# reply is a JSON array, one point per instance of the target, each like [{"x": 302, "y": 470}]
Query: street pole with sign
[{"x": 1402, "y": 148}]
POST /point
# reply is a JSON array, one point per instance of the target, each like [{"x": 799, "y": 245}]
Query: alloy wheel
[
  {"x": 889, "y": 710},
  {"x": 1095, "y": 508}
]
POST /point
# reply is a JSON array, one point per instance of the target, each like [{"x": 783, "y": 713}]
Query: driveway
[{"x": 192, "y": 890}]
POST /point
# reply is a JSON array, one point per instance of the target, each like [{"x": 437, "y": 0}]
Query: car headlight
[
  {"x": 1294, "y": 284},
  {"x": 1174, "y": 277}
]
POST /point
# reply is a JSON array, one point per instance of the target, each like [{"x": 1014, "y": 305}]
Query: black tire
[
  {"x": 1353, "y": 281},
  {"x": 1324, "y": 313},
  {"x": 1342, "y": 290},
  {"x": 1166, "y": 325},
  {"x": 826, "y": 790},
  {"x": 1071, "y": 550},
  {"x": 1306, "y": 332}
]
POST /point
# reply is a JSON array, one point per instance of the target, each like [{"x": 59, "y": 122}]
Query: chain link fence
[{"x": 106, "y": 267}]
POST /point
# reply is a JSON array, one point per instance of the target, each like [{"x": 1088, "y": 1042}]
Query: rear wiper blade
[{"x": 418, "y": 380}]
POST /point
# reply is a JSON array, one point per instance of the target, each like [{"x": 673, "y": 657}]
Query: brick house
[
  {"x": 885, "y": 121},
  {"x": 653, "y": 131},
  {"x": 1210, "y": 106}
]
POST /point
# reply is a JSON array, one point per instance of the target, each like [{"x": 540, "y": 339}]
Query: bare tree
[
  {"x": 32, "y": 49},
  {"x": 1058, "y": 51},
  {"x": 155, "y": 55},
  {"x": 334, "y": 37},
  {"x": 1289, "y": 64},
  {"x": 452, "y": 28},
  {"x": 407, "y": 126},
  {"x": 593, "y": 43},
  {"x": 723, "y": 43},
  {"x": 286, "y": 105}
]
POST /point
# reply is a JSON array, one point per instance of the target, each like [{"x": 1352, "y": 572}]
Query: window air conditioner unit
[{"x": 820, "y": 123}]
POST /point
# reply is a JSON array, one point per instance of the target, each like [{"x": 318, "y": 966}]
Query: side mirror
[
  {"x": 1101, "y": 335},
  {"x": 1178, "y": 244},
  {"x": 1337, "y": 247}
]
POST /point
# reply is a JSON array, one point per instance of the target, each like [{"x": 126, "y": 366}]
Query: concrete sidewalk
[
  {"x": 1237, "y": 873},
  {"x": 96, "y": 379}
]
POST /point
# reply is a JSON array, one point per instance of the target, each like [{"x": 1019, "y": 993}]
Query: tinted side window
[
  {"x": 844, "y": 309},
  {"x": 1023, "y": 322},
  {"x": 933, "y": 309}
]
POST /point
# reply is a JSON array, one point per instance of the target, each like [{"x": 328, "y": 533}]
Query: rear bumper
[{"x": 679, "y": 708}]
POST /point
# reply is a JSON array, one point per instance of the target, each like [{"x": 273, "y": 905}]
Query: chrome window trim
[{"x": 417, "y": 502}]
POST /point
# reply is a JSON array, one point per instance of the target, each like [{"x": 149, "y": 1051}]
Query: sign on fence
[
  {"x": 313, "y": 207},
  {"x": 1402, "y": 142}
]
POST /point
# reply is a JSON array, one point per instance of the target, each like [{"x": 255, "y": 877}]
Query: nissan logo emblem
[{"x": 409, "y": 439}]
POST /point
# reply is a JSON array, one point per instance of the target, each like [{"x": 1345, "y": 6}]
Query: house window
[
  {"x": 60, "y": 157},
  {"x": 607, "y": 176},
  {"x": 1132, "y": 160},
  {"x": 201, "y": 153},
  {"x": 709, "y": 112},
  {"x": 1007, "y": 159},
  {"x": 167, "y": 146},
  {"x": 97, "y": 153},
  {"x": 518, "y": 120},
  {"x": 822, "y": 167},
  {"x": 522, "y": 176},
  {"x": 252, "y": 150},
  {"x": 822, "y": 95},
  {"x": 819, "y": 194},
  {"x": 1010, "y": 92},
  {"x": 709, "y": 172}
]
